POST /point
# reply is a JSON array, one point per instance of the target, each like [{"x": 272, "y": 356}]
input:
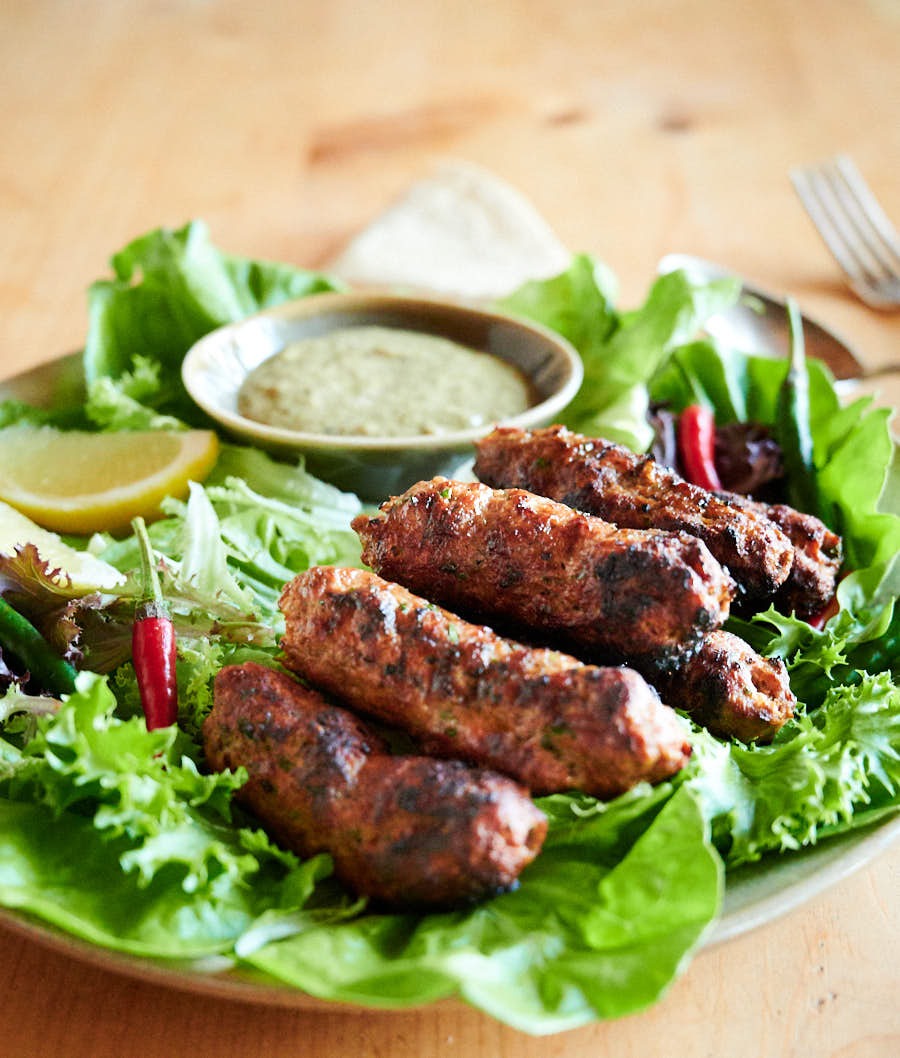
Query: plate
[{"x": 754, "y": 895}]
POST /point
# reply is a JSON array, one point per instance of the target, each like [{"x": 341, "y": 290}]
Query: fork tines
[{"x": 854, "y": 226}]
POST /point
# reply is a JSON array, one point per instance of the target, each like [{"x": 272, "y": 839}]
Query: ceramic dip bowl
[{"x": 216, "y": 367}]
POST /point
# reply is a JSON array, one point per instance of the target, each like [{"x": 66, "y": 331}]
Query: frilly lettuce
[
  {"x": 252, "y": 526},
  {"x": 824, "y": 771},
  {"x": 112, "y": 832}
]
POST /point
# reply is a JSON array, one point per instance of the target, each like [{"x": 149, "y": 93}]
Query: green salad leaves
[
  {"x": 120, "y": 837},
  {"x": 599, "y": 926},
  {"x": 853, "y": 448}
]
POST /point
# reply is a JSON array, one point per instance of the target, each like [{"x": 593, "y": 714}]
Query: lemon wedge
[
  {"x": 82, "y": 568},
  {"x": 77, "y": 482}
]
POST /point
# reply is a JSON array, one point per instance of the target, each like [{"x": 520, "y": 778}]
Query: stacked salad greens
[{"x": 119, "y": 836}]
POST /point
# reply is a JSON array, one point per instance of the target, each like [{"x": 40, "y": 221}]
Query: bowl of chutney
[{"x": 377, "y": 391}]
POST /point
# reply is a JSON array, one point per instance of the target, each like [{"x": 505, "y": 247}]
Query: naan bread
[{"x": 461, "y": 232}]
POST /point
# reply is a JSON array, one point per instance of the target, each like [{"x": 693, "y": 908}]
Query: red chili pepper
[
  {"x": 696, "y": 447},
  {"x": 153, "y": 643},
  {"x": 818, "y": 620}
]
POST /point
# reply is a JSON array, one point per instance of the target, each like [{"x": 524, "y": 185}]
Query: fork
[{"x": 854, "y": 227}]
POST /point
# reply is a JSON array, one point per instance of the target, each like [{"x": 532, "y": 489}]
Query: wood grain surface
[{"x": 637, "y": 128}]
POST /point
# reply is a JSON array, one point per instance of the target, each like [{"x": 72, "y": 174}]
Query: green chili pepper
[
  {"x": 43, "y": 663},
  {"x": 792, "y": 423}
]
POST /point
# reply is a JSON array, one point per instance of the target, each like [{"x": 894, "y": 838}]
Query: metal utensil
[
  {"x": 854, "y": 226},
  {"x": 758, "y": 322}
]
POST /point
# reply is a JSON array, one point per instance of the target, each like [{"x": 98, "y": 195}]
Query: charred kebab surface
[
  {"x": 540, "y": 716},
  {"x": 636, "y": 492},
  {"x": 405, "y": 830},
  {"x": 646, "y": 596}
]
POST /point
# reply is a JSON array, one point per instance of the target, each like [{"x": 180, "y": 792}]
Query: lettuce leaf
[
  {"x": 621, "y": 352},
  {"x": 171, "y": 287},
  {"x": 113, "y": 833},
  {"x": 125, "y": 403},
  {"x": 599, "y": 926},
  {"x": 579, "y": 304}
]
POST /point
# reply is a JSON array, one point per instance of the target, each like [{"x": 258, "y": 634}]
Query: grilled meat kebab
[
  {"x": 636, "y": 492},
  {"x": 608, "y": 480},
  {"x": 645, "y": 596},
  {"x": 732, "y": 691},
  {"x": 406, "y": 830},
  {"x": 542, "y": 717}
]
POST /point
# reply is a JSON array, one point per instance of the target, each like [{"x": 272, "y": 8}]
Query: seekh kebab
[
  {"x": 406, "y": 830},
  {"x": 766, "y": 548},
  {"x": 541, "y": 717},
  {"x": 642, "y": 596}
]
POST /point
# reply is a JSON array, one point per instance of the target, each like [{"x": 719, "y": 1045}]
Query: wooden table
[{"x": 637, "y": 129}]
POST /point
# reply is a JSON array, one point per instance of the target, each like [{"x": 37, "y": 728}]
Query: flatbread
[{"x": 460, "y": 232}]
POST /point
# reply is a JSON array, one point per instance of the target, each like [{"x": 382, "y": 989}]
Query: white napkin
[{"x": 462, "y": 232}]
